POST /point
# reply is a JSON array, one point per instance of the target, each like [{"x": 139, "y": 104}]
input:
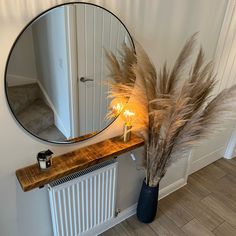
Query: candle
[
  {"x": 117, "y": 109},
  {"x": 45, "y": 159},
  {"x": 128, "y": 118}
]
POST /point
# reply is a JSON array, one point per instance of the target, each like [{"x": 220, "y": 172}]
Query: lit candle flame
[
  {"x": 117, "y": 108},
  {"x": 128, "y": 117}
]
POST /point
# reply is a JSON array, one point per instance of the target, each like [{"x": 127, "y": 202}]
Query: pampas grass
[{"x": 174, "y": 110}]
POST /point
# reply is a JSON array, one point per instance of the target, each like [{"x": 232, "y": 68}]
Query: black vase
[{"x": 147, "y": 203}]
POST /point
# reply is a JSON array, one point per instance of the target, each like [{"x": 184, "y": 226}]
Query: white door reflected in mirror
[{"x": 56, "y": 72}]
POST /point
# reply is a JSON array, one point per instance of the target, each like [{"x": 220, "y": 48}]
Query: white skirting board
[
  {"x": 206, "y": 160},
  {"x": 123, "y": 215},
  {"x": 17, "y": 80},
  {"x": 172, "y": 187}
]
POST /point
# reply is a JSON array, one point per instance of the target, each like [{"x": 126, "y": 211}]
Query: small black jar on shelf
[{"x": 45, "y": 159}]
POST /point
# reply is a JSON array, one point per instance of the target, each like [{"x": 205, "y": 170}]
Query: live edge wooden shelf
[{"x": 31, "y": 177}]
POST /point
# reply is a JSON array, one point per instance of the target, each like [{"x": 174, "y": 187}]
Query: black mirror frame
[{"x": 80, "y": 138}]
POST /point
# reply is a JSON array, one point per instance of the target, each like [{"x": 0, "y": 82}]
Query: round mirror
[{"x": 55, "y": 73}]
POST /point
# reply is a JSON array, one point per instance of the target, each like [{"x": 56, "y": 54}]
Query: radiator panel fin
[{"x": 84, "y": 200}]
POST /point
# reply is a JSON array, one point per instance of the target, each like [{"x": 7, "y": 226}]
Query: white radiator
[{"x": 83, "y": 201}]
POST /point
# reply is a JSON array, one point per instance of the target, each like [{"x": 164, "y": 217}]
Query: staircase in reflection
[{"x": 33, "y": 112}]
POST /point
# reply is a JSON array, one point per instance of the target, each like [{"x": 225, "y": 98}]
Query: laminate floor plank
[
  {"x": 195, "y": 228},
  {"x": 117, "y": 230},
  {"x": 191, "y": 203},
  {"x": 228, "y": 199},
  {"x": 175, "y": 211},
  {"x": 197, "y": 188},
  {"x": 223, "y": 184},
  {"x": 163, "y": 225},
  {"x": 225, "y": 229},
  {"x": 226, "y": 166},
  {"x": 184, "y": 194},
  {"x": 202, "y": 213},
  {"x": 212, "y": 172},
  {"x": 221, "y": 209},
  {"x": 232, "y": 161},
  {"x": 226, "y": 185},
  {"x": 231, "y": 179},
  {"x": 135, "y": 228}
]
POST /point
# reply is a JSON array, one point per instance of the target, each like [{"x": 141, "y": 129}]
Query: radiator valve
[{"x": 117, "y": 212}]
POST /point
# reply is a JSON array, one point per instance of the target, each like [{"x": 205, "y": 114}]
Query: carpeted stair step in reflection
[{"x": 32, "y": 112}]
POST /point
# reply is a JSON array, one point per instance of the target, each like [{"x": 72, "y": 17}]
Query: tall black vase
[{"x": 147, "y": 203}]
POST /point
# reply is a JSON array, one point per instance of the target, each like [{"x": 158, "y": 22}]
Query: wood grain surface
[{"x": 31, "y": 177}]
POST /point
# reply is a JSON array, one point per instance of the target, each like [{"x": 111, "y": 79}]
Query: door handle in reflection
[{"x": 84, "y": 79}]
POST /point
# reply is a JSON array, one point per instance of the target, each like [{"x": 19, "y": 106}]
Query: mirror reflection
[{"x": 56, "y": 71}]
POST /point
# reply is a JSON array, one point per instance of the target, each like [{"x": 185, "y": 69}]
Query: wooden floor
[{"x": 205, "y": 206}]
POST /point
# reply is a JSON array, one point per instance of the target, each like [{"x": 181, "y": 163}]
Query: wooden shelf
[{"x": 31, "y": 177}]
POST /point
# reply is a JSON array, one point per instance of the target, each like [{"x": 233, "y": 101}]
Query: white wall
[
  {"x": 21, "y": 71},
  {"x": 50, "y": 44},
  {"x": 226, "y": 64},
  {"x": 161, "y": 26},
  {"x": 224, "y": 143}
]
